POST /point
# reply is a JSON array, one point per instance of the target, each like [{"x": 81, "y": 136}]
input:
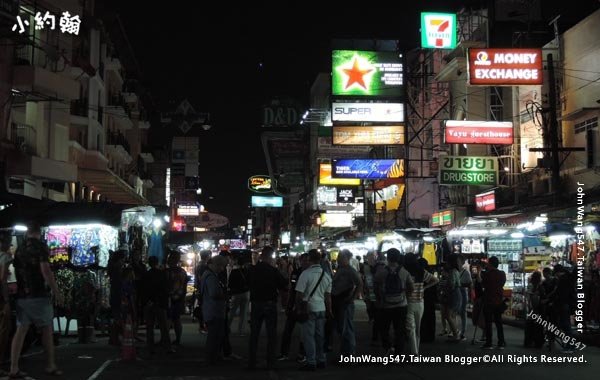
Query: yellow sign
[{"x": 373, "y": 135}]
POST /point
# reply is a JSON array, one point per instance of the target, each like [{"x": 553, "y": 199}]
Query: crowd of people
[{"x": 400, "y": 291}]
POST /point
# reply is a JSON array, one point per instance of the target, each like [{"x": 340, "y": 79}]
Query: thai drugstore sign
[
  {"x": 373, "y": 135},
  {"x": 485, "y": 202},
  {"x": 368, "y": 112},
  {"x": 368, "y": 169},
  {"x": 367, "y": 73},
  {"x": 479, "y": 132},
  {"x": 438, "y": 30},
  {"x": 459, "y": 170},
  {"x": 505, "y": 67}
]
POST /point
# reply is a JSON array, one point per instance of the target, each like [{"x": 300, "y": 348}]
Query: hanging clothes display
[
  {"x": 429, "y": 253},
  {"x": 155, "y": 245}
]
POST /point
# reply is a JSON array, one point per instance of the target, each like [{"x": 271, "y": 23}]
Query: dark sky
[{"x": 227, "y": 59}]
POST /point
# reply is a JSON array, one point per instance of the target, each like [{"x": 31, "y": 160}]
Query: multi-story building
[{"x": 76, "y": 127}]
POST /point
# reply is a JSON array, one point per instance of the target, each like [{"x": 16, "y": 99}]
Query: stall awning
[
  {"x": 66, "y": 213},
  {"x": 111, "y": 186},
  {"x": 21, "y": 209}
]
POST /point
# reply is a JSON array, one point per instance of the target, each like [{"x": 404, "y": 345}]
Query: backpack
[{"x": 393, "y": 290}]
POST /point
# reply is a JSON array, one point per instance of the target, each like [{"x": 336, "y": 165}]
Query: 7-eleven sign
[{"x": 438, "y": 30}]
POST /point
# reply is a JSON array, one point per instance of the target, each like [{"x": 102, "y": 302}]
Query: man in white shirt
[{"x": 314, "y": 280}]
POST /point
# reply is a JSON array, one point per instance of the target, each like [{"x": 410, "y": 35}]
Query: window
[{"x": 586, "y": 125}]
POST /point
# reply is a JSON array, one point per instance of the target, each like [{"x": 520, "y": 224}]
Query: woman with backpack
[{"x": 422, "y": 280}]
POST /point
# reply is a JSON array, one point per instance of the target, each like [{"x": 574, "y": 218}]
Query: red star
[{"x": 356, "y": 75}]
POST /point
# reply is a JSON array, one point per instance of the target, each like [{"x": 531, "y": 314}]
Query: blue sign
[
  {"x": 367, "y": 169},
  {"x": 258, "y": 201}
]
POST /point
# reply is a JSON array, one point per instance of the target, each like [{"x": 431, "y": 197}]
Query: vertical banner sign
[
  {"x": 438, "y": 30},
  {"x": 477, "y": 171},
  {"x": 485, "y": 202}
]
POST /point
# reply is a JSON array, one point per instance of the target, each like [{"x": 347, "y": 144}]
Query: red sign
[
  {"x": 479, "y": 132},
  {"x": 485, "y": 202},
  {"x": 505, "y": 67}
]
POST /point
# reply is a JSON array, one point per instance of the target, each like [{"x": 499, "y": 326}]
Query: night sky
[{"x": 229, "y": 59}]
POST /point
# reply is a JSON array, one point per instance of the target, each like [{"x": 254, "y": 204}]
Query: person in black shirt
[
  {"x": 237, "y": 287},
  {"x": 156, "y": 302},
  {"x": 265, "y": 281},
  {"x": 290, "y": 321}
]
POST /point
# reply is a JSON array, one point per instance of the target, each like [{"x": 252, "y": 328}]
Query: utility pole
[
  {"x": 553, "y": 135},
  {"x": 553, "y": 130}
]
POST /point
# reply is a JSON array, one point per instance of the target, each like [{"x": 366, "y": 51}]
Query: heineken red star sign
[{"x": 367, "y": 73}]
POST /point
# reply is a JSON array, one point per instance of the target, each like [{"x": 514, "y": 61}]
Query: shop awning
[
  {"x": 21, "y": 209},
  {"x": 111, "y": 186},
  {"x": 66, "y": 213}
]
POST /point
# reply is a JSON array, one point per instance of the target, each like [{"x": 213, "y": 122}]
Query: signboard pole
[{"x": 553, "y": 130}]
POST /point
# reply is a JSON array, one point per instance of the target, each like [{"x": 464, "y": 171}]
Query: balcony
[
  {"x": 118, "y": 147},
  {"x": 33, "y": 79},
  {"x": 119, "y": 110},
  {"x": 25, "y": 138}
]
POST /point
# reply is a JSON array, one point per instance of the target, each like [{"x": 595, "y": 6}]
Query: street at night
[{"x": 215, "y": 191}]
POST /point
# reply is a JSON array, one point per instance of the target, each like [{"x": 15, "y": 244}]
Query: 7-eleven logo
[
  {"x": 438, "y": 30},
  {"x": 439, "y": 26}
]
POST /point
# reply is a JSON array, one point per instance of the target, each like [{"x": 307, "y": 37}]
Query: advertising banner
[
  {"x": 367, "y": 169},
  {"x": 505, "y": 67},
  {"x": 460, "y": 170},
  {"x": 367, "y": 73},
  {"x": 346, "y": 195},
  {"x": 485, "y": 202},
  {"x": 258, "y": 201},
  {"x": 479, "y": 132},
  {"x": 374, "y": 135},
  {"x": 336, "y": 220},
  {"x": 325, "y": 177},
  {"x": 438, "y": 30},
  {"x": 368, "y": 112}
]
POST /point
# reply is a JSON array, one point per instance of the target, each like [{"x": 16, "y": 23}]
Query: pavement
[{"x": 99, "y": 361}]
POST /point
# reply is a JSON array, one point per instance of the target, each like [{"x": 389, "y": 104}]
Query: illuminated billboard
[
  {"x": 326, "y": 179},
  {"x": 505, "y": 67},
  {"x": 368, "y": 112},
  {"x": 258, "y": 201},
  {"x": 438, "y": 30},
  {"x": 336, "y": 220},
  {"x": 442, "y": 218},
  {"x": 374, "y": 135},
  {"x": 367, "y": 73},
  {"x": 479, "y": 132},
  {"x": 260, "y": 184},
  {"x": 460, "y": 170},
  {"x": 485, "y": 202},
  {"x": 367, "y": 168}
]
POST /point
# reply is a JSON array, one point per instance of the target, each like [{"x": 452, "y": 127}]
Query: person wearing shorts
[{"x": 34, "y": 305}]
